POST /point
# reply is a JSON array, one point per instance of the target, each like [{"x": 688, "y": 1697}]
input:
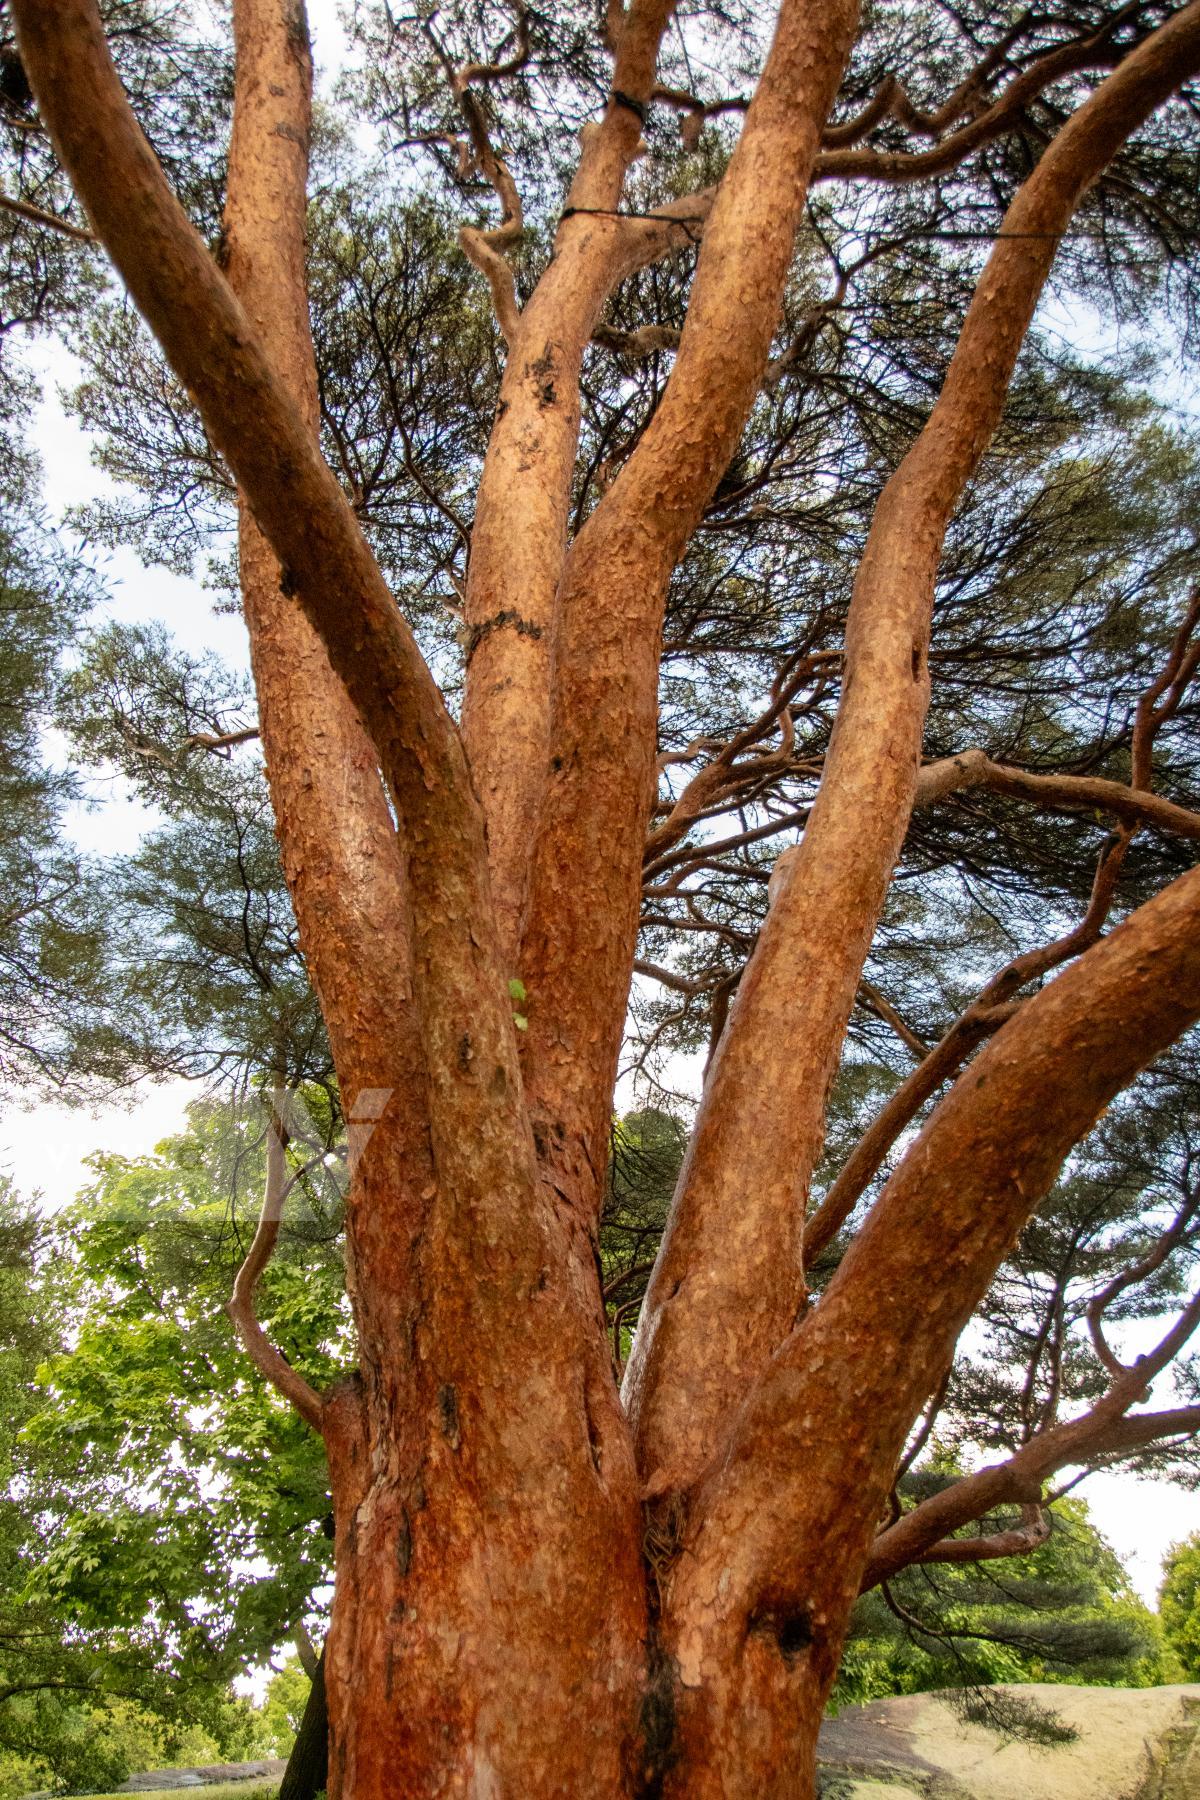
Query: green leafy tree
[
  {"x": 168, "y": 1519},
  {"x": 81, "y": 1700},
  {"x": 1179, "y": 1604},
  {"x": 283, "y": 1707},
  {"x": 180, "y": 1501}
]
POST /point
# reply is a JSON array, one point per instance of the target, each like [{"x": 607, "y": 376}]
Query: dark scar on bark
[
  {"x": 792, "y": 1631},
  {"x": 448, "y": 1408},
  {"x": 498, "y": 622}
]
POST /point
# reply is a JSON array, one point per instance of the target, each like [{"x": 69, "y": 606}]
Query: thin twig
[{"x": 51, "y": 221}]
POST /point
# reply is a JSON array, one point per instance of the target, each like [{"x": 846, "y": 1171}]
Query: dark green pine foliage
[
  {"x": 50, "y": 279},
  {"x": 50, "y": 938},
  {"x": 645, "y": 1154},
  {"x": 204, "y": 971},
  {"x": 1063, "y": 1613}
]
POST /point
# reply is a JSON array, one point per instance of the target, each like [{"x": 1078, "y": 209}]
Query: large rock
[
  {"x": 1132, "y": 1744},
  {"x": 153, "y": 1779}
]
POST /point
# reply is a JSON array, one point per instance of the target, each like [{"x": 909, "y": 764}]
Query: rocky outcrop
[
  {"x": 154, "y": 1780},
  {"x": 1129, "y": 1744}
]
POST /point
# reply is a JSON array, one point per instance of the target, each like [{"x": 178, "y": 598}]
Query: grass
[{"x": 220, "y": 1790}]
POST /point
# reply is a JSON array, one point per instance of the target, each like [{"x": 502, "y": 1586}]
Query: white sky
[{"x": 44, "y": 1147}]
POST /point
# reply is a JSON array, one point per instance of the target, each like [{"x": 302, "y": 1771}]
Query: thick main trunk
[
  {"x": 749, "y": 1715},
  {"x": 464, "y": 1674},
  {"x": 487, "y": 1637}
]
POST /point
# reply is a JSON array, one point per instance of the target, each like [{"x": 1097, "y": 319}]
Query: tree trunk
[
  {"x": 488, "y": 1631},
  {"x": 538, "y": 1594},
  {"x": 307, "y": 1772}
]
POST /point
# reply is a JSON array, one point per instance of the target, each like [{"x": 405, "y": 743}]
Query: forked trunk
[
  {"x": 445, "y": 1682},
  {"x": 489, "y": 1618}
]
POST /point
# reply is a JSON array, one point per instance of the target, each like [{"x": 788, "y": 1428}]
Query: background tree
[
  {"x": 203, "y": 973},
  {"x": 1178, "y": 1604},
  {"x": 666, "y": 1581},
  {"x": 1063, "y": 1611},
  {"x": 85, "y": 1693},
  {"x": 50, "y": 941},
  {"x": 51, "y": 278},
  {"x": 179, "y": 1500}
]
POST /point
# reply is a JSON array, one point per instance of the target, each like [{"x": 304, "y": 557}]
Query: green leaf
[{"x": 516, "y": 989}]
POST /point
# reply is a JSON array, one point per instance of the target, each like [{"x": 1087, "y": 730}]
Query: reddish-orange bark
[
  {"x": 341, "y": 853},
  {"x": 729, "y": 1280},
  {"x": 783, "y": 1523},
  {"x": 577, "y": 957},
  {"x": 502, "y": 1624},
  {"x": 519, "y": 536}
]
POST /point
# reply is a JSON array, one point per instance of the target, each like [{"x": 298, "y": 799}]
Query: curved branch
[
  {"x": 1161, "y": 700},
  {"x": 1137, "y": 1272},
  {"x": 891, "y": 101},
  {"x": 1069, "y": 793},
  {"x": 924, "y": 1432},
  {"x": 696, "y": 111},
  {"x": 995, "y": 1005},
  {"x": 480, "y": 248},
  {"x": 485, "y": 247},
  {"x": 1106, "y": 1430},
  {"x": 901, "y": 167},
  {"x": 215, "y": 741},
  {"x": 1018, "y": 1540},
  {"x": 499, "y": 71},
  {"x": 795, "y": 1462},
  {"x": 270, "y": 1362},
  {"x": 761, "y": 1123}
]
